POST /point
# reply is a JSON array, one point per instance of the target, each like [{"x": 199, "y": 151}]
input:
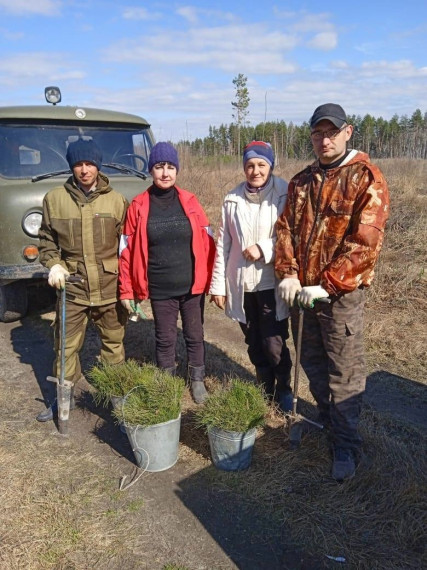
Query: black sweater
[{"x": 170, "y": 258}]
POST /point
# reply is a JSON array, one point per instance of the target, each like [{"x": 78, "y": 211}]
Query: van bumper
[{"x": 9, "y": 273}]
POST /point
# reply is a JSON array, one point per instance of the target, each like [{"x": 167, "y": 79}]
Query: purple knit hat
[
  {"x": 163, "y": 152},
  {"x": 258, "y": 149}
]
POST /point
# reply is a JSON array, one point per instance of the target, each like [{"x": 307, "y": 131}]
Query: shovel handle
[
  {"x": 74, "y": 279},
  {"x": 325, "y": 300}
]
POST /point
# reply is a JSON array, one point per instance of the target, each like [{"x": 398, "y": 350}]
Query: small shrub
[
  {"x": 238, "y": 407},
  {"x": 155, "y": 399},
  {"x": 116, "y": 379}
]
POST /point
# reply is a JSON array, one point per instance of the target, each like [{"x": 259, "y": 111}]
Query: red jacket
[{"x": 133, "y": 261}]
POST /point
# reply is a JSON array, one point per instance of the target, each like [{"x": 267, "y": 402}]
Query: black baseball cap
[{"x": 331, "y": 112}]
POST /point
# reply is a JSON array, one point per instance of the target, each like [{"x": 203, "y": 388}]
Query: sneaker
[{"x": 344, "y": 464}]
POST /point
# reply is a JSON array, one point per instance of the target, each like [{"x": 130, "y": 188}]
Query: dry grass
[
  {"x": 60, "y": 508},
  {"x": 375, "y": 521},
  {"x": 49, "y": 518}
]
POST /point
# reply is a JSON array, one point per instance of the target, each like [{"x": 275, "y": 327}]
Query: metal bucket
[
  {"x": 116, "y": 402},
  {"x": 155, "y": 447},
  {"x": 231, "y": 450}
]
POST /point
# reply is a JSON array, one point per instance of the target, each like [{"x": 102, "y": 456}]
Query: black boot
[
  {"x": 265, "y": 377},
  {"x": 48, "y": 414},
  {"x": 171, "y": 370},
  {"x": 197, "y": 386}
]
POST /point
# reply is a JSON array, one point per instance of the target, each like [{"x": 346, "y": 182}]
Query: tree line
[{"x": 399, "y": 137}]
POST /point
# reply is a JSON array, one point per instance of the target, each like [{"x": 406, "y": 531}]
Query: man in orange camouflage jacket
[{"x": 328, "y": 240}]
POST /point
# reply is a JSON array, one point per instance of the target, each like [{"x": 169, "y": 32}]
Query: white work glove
[
  {"x": 288, "y": 289},
  {"x": 309, "y": 295},
  {"x": 57, "y": 276},
  {"x": 133, "y": 307},
  {"x": 126, "y": 304}
]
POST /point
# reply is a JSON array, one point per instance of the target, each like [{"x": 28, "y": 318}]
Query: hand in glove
[
  {"x": 133, "y": 307},
  {"x": 309, "y": 295},
  {"x": 126, "y": 304},
  {"x": 288, "y": 289},
  {"x": 57, "y": 276}
]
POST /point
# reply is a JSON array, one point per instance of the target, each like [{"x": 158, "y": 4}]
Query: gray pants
[{"x": 332, "y": 356}]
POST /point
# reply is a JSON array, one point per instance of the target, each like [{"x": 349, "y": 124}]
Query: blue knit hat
[
  {"x": 258, "y": 149},
  {"x": 163, "y": 152},
  {"x": 84, "y": 151}
]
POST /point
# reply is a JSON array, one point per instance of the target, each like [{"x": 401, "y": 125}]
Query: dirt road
[{"x": 185, "y": 516}]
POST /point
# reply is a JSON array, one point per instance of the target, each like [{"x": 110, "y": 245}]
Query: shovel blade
[
  {"x": 297, "y": 425},
  {"x": 295, "y": 434},
  {"x": 64, "y": 397}
]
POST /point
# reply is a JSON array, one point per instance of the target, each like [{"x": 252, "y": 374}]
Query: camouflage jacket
[
  {"x": 331, "y": 230},
  {"x": 82, "y": 234}
]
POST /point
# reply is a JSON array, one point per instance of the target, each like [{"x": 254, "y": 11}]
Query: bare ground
[{"x": 61, "y": 503}]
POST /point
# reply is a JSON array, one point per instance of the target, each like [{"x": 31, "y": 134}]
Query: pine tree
[{"x": 240, "y": 105}]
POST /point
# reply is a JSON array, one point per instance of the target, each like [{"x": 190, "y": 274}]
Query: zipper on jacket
[
  {"x": 310, "y": 237},
  {"x": 102, "y": 230}
]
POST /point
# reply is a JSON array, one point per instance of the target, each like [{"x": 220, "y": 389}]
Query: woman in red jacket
[{"x": 166, "y": 254}]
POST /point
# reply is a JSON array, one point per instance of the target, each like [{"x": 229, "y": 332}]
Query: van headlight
[{"x": 31, "y": 223}]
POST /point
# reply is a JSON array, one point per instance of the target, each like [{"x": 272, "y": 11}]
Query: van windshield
[{"x": 30, "y": 150}]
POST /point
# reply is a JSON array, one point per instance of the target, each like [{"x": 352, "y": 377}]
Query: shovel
[
  {"x": 294, "y": 420},
  {"x": 63, "y": 387}
]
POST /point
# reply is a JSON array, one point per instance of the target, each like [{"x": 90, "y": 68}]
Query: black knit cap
[
  {"x": 330, "y": 112},
  {"x": 84, "y": 151}
]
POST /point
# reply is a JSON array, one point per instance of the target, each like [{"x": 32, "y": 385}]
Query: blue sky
[{"x": 174, "y": 62}]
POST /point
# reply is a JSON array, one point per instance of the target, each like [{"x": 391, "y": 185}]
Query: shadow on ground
[
  {"x": 251, "y": 534},
  {"x": 249, "y": 531}
]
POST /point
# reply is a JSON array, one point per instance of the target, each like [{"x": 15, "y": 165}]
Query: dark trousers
[
  {"x": 165, "y": 313},
  {"x": 332, "y": 356},
  {"x": 266, "y": 336}
]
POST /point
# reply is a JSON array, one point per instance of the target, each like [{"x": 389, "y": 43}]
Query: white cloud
[
  {"x": 36, "y": 67},
  {"x": 313, "y": 22},
  {"x": 391, "y": 69},
  {"x": 339, "y": 64},
  {"x": 27, "y": 8},
  {"x": 133, "y": 13},
  {"x": 248, "y": 49},
  {"x": 324, "y": 41},
  {"x": 189, "y": 13}
]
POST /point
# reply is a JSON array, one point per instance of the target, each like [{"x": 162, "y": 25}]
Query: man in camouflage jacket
[
  {"x": 328, "y": 240},
  {"x": 79, "y": 235}
]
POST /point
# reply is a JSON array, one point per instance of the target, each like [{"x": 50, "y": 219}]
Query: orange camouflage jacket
[{"x": 331, "y": 230}]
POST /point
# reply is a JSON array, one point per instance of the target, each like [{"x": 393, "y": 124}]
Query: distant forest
[{"x": 400, "y": 137}]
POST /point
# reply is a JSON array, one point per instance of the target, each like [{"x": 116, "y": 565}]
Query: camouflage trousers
[
  {"x": 332, "y": 356},
  {"x": 109, "y": 320}
]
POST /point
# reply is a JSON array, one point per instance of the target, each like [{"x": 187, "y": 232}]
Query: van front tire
[{"x": 13, "y": 301}]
